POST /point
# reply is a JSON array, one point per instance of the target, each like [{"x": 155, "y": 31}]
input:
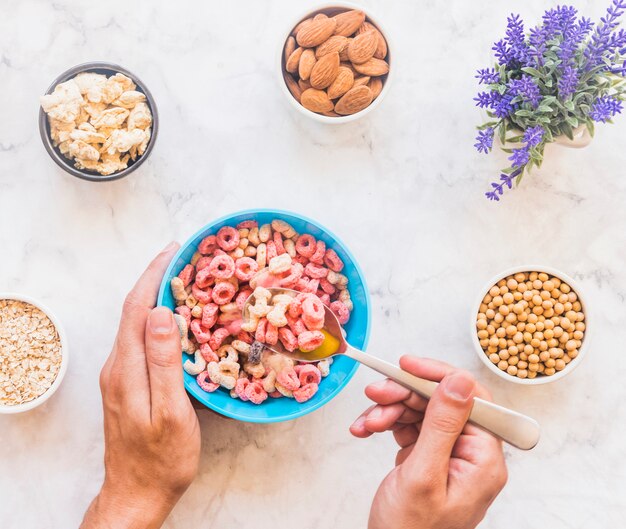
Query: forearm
[{"x": 112, "y": 509}]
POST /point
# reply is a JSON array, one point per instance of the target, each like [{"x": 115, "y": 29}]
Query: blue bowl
[{"x": 357, "y": 329}]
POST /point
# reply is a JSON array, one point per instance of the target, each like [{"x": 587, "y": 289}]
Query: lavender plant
[{"x": 565, "y": 73}]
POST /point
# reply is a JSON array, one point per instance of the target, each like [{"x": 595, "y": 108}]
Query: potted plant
[{"x": 551, "y": 84}]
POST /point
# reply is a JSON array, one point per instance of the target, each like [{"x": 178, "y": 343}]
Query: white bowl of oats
[{"x": 33, "y": 353}]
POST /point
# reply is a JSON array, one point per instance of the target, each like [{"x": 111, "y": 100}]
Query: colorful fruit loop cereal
[{"x": 210, "y": 294}]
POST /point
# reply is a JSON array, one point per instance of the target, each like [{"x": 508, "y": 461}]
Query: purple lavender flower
[
  {"x": 520, "y": 157},
  {"x": 484, "y": 140},
  {"x": 603, "y": 42},
  {"x": 516, "y": 39},
  {"x": 484, "y": 100},
  {"x": 605, "y": 108},
  {"x": 568, "y": 82},
  {"x": 527, "y": 89},
  {"x": 488, "y": 76},
  {"x": 502, "y": 106},
  {"x": 502, "y": 52},
  {"x": 533, "y": 136},
  {"x": 498, "y": 188}
]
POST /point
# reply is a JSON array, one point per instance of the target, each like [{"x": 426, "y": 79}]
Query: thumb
[
  {"x": 163, "y": 357},
  {"x": 444, "y": 420}
]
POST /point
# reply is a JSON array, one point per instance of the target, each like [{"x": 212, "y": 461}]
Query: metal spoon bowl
[{"x": 510, "y": 426}]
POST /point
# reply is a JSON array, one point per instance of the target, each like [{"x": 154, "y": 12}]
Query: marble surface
[{"x": 403, "y": 188}]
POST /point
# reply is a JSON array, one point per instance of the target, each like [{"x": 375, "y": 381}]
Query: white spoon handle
[{"x": 510, "y": 426}]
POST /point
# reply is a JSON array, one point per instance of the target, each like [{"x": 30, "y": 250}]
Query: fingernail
[
  {"x": 161, "y": 320},
  {"x": 459, "y": 386},
  {"x": 381, "y": 384},
  {"x": 375, "y": 413},
  {"x": 358, "y": 423},
  {"x": 170, "y": 246}
]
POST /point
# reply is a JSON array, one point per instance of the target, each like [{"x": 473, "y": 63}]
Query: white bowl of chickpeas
[{"x": 530, "y": 325}]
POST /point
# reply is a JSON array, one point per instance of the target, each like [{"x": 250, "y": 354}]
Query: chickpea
[
  {"x": 511, "y": 370},
  {"x": 558, "y": 331},
  {"x": 541, "y": 325},
  {"x": 493, "y": 341},
  {"x": 513, "y": 350},
  {"x": 578, "y": 335},
  {"x": 502, "y": 343},
  {"x": 567, "y": 358},
  {"x": 549, "y": 371},
  {"x": 564, "y": 338},
  {"x": 538, "y": 310},
  {"x": 511, "y": 318},
  {"x": 498, "y": 318},
  {"x": 481, "y": 324},
  {"x": 528, "y": 295},
  {"x": 504, "y": 354},
  {"x": 522, "y": 288},
  {"x": 533, "y": 358},
  {"x": 550, "y": 363},
  {"x": 553, "y": 342},
  {"x": 544, "y": 355},
  {"x": 563, "y": 298},
  {"x": 548, "y": 313},
  {"x": 503, "y": 364},
  {"x": 565, "y": 323},
  {"x": 571, "y": 315},
  {"x": 484, "y": 343},
  {"x": 517, "y": 295},
  {"x": 522, "y": 373},
  {"x": 542, "y": 276},
  {"x": 504, "y": 310},
  {"x": 482, "y": 334},
  {"x": 503, "y": 288},
  {"x": 532, "y": 374},
  {"x": 559, "y": 365},
  {"x": 543, "y": 346},
  {"x": 545, "y": 295},
  {"x": 565, "y": 288},
  {"x": 533, "y": 318},
  {"x": 532, "y": 276},
  {"x": 513, "y": 360},
  {"x": 491, "y": 329},
  {"x": 494, "y": 358},
  {"x": 533, "y": 367},
  {"x": 537, "y": 284},
  {"x": 535, "y": 342},
  {"x": 577, "y": 306},
  {"x": 548, "y": 334},
  {"x": 494, "y": 291},
  {"x": 580, "y": 326},
  {"x": 523, "y": 356},
  {"x": 572, "y": 297},
  {"x": 518, "y": 338},
  {"x": 501, "y": 332},
  {"x": 573, "y": 354},
  {"x": 567, "y": 306},
  {"x": 548, "y": 285},
  {"x": 490, "y": 313},
  {"x": 538, "y": 336},
  {"x": 483, "y": 308},
  {"x": 522, "y": 364},
  {"x": 523, "y": 316},
  {"x": 528, "y": 349}
]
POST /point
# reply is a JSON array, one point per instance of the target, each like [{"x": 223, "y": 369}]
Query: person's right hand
[{"x": 447, "y": 472}]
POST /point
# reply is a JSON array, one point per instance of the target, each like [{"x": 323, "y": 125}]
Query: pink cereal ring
[
  {"x": 205, "y": 384},
  {"x": 261, "y": 329},
  {"x": 320, "y": 251},
  {"x": 300, "y": 259},
  {"x": 296, "y": 325},
  {"x": 288, "y": 379},
  {"x": 204, "y": 278},
  {"x": 222, "y": 267},
  {"x": 276, "y": 394},
  {"x": 295, "y": 308},
  {"x": 242, "y": 297},
  {"x": 218, "y": 337},
  {"x": 203, "y": 296},
  {"x": 240, "y": 388},
  {"x": 341, "y": 311},
  {"x": 209, "y": 315},
  {"x": 200, "y": 333},
  {"x": 223, "y": 293},
  {"x": 295, "y": 273},
  {"x": 288, "y": 339},
  {"x": 324, "y": 298},
  {"x": 278, "y": 241},
  {"x": 327, "y": 286},
  {"x": 228, "y": 238},
  {"x": 313, "y": 307},
  {"x": 203, "y": 262},
  {"x": 187, "y": 274},
  {"x": 333, "y": 261},
  {"x": 243, "y": 336},
  {"x": 208, "y": 245},
  {"x": 310, "y": 340},
  {"x": 208, "y": 354},
  {"x": 247, "y": 225},
  {"x": 306, "y": 245},
  {"x": 309, "y": 374},
  {"x": 185, "y": 312},
  {"x": 271, "y": 334},
  {"x": 245, "y": 268},
  {"x": 270, "y": 250},
  {"x": 255, "y": 393},
  {"x": 315, "y": 271},
  {"x": 304, "y": 393}
]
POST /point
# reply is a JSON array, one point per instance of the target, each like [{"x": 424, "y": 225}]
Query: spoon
[{"x": 510, "y": 426}]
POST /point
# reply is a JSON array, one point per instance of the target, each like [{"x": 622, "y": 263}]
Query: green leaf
[
  {"x": 567, "y": 130},
  {"x": 591, "y": 127},
  {"x": 502, "y": 133},
  {"x": 533, "y": 71},
  {"x": 569, "y": 105},
  {"x": 524, "y": 113},
  {"x": 519, "y": 177},
  {"x": 544, "y": 108},
  {"x": 572, "y": 121},
  {"x": 487, "y": 125}
]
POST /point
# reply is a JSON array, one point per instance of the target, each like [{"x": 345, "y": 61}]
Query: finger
[
  {"x": 358, "y": 427},
  {"x": 444, "y": 420},
  {"x": 382, "y": 418},
  {"x": 137, "y": 306},
  {"x": 389, "y": 392},
  {"x": 163, "y": 358},
  {"x": 403, "y": 453},
  {"x": 406, "y": 436}
]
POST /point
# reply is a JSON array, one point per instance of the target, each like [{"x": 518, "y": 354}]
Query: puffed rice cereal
[
  {"x": 30, "y": 352},
  {"x": 99, "y": 122},
  {"x": 223, "y": 350}
]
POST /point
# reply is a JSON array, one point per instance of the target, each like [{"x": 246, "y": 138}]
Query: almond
[
  {"x": 342, "y": 83},
  {"x": 362, "y": 80},
  {"x": 343, "y": 54},
  {"x": 290, "y": 47},
  {"x": 353, "y": 101},
  {"x": 301, "y": 25},
  {"x": 349, "y": 22},
  {"x": 292, "y": 62},
  {"x": 316, "y": 100},
  {"x": 335, "y": 43},
  {"x": 374, "y": 67},
  {"x": 293, "y": 86},
  {"x": 331, "y": 114},
  {"x": 350, "y": 66},
  {"x": 304, "y": 85},
  {"x": 376, "y": 86},
  {"x": 325, "y": 71},
  {"x": 316, "y": 32},
  {"x": 362, "y": 47},
  {"x": 381, "y": 47},
  {"x": 319, "y": 16},
  {"x": 307, "y": 61}
]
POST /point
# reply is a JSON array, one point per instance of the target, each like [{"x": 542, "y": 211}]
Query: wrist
[{"x": 126, "y": 508}]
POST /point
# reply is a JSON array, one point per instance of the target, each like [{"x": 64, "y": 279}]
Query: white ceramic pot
[{"x": 582, "y": 138}]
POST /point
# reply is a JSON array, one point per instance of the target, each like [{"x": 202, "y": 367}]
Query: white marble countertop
[{"x": 403, "y": 188}]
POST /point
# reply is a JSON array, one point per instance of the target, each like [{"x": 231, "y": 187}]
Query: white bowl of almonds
[
  {"x": 98, "y": 121},
  {"x": 33, "y": 353},
  {"x": 530, "y": 325},
  {"x": 335, "y": 63}
]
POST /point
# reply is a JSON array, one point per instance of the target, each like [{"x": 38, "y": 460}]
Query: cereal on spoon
[
  {"x": 210, "y": 294},
  {"x": 99, "y": 122}
]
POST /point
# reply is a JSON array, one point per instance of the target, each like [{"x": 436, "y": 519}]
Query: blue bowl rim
[{"x": 368, "y": 308}]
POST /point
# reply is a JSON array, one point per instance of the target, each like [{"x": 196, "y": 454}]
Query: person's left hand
[{"x": 151, "y": 432}]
